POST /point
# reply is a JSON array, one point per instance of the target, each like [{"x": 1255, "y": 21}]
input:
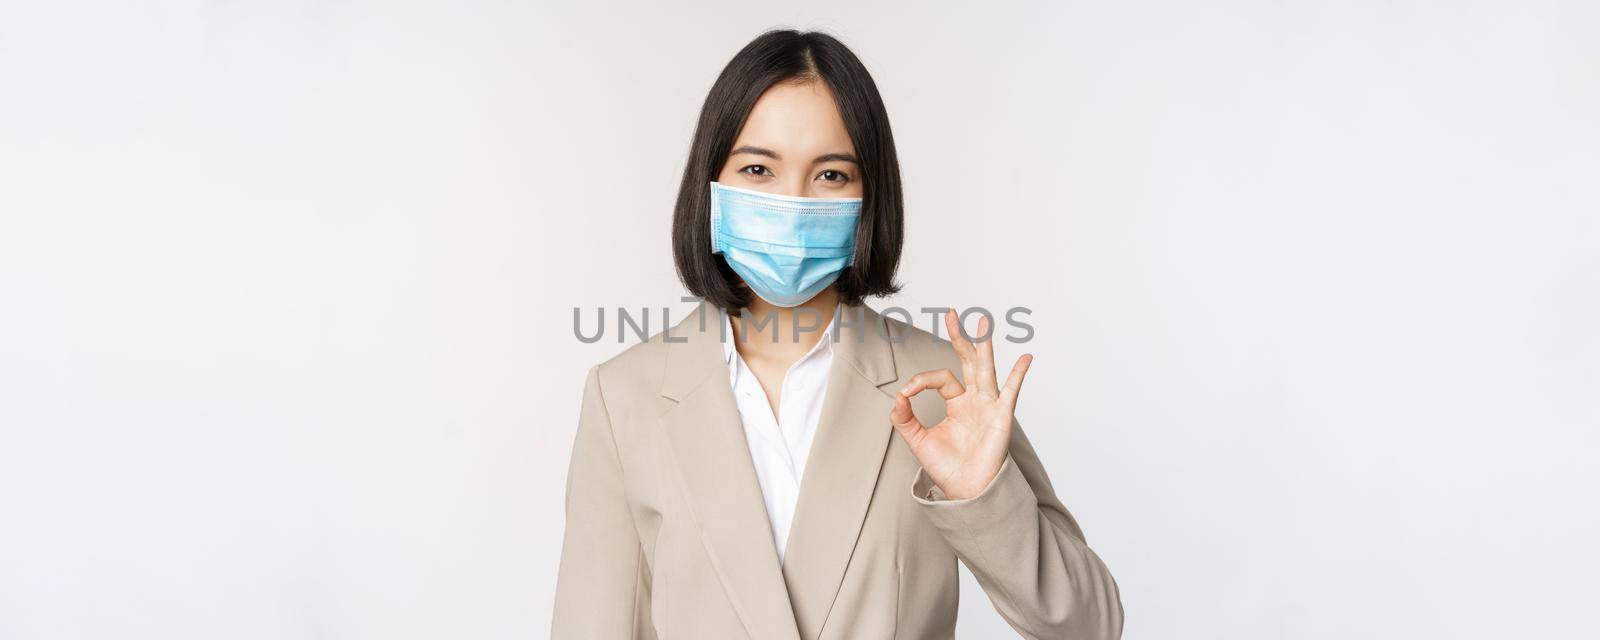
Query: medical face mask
[{"x": 787, "y": 249}]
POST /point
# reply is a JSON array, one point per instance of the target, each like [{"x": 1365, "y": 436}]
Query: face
[{"x": 794, "y": 143}]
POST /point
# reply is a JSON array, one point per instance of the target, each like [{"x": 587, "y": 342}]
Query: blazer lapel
[
  {"x": 853, "y": 435},
  {"x": 712, "y": 458}
]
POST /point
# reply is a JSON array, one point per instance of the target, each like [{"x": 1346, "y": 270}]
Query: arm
[
  {"x": 603, "y": 590},
  {"x": 1027, "y": 551},
  {"x": 982, "y": 487}
]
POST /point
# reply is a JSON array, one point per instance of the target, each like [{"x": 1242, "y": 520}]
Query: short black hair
[{"x": 774, "y": 57}]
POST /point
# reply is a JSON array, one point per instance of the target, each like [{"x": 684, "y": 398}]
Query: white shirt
[{"x": 779, "y": 448}]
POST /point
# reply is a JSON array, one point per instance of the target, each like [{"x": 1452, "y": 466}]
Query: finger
[
  {"x": 1014, "y": 381},
  {"x": 962, "y": 346},
  {"x": 958, "y": 340},
  {"x": 905, "y": 421},
  {"x": 985, "y": 368},
  {"x": 943, "y": 380}
]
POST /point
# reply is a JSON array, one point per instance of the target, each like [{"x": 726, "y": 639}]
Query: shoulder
[
  {"x": 916, "y": 348},
  {"x": 638, "y": 368}
]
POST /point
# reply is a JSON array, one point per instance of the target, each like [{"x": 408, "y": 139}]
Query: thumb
[{"x": 905, "y": 421}]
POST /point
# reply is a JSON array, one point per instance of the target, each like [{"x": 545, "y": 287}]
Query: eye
[
  {"x": 756, "y": 170},
  {"x": 833, "y": 176}
]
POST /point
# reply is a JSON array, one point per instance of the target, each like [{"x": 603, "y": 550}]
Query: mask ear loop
[
  {"x": 855, "y": 239},
  {"x": 715, "y": 205},
  {"x": 716, "y": 220}
]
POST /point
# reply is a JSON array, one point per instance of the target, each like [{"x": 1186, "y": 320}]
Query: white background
[{"x": 286, "y": 297}]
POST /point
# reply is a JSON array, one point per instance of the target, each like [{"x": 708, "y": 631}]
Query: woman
[{"x": 736, "y": 475}]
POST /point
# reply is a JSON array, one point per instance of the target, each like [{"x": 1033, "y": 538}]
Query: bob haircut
[{"x": 791, "y": 56}]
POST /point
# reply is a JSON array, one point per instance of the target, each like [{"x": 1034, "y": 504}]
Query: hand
[{"x": 964, "y": 452}]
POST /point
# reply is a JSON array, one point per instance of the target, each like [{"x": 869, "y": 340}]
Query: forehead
[{"x": 801, "y": 117}]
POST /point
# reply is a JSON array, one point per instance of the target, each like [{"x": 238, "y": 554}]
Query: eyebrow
[{"x": 826, "y": 157}]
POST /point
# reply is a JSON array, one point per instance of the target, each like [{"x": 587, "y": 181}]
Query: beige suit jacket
[{"x": 667, "y": 536}]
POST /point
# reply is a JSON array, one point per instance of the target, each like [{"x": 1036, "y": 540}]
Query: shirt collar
[{"x": 825, "y": 343}]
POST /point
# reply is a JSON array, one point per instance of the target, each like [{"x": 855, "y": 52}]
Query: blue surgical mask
[{"x": 787, "y": 249}]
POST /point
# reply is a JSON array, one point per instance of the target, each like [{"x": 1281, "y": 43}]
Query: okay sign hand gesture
[{"x": 965, "y": 451}]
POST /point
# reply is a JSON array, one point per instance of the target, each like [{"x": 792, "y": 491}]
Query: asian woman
[{"x": 786, "y": 462}]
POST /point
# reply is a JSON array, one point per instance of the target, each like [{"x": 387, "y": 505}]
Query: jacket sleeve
[
  {"x": 1027, "y": 551},
  {"x": 603, "y": 588}
]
